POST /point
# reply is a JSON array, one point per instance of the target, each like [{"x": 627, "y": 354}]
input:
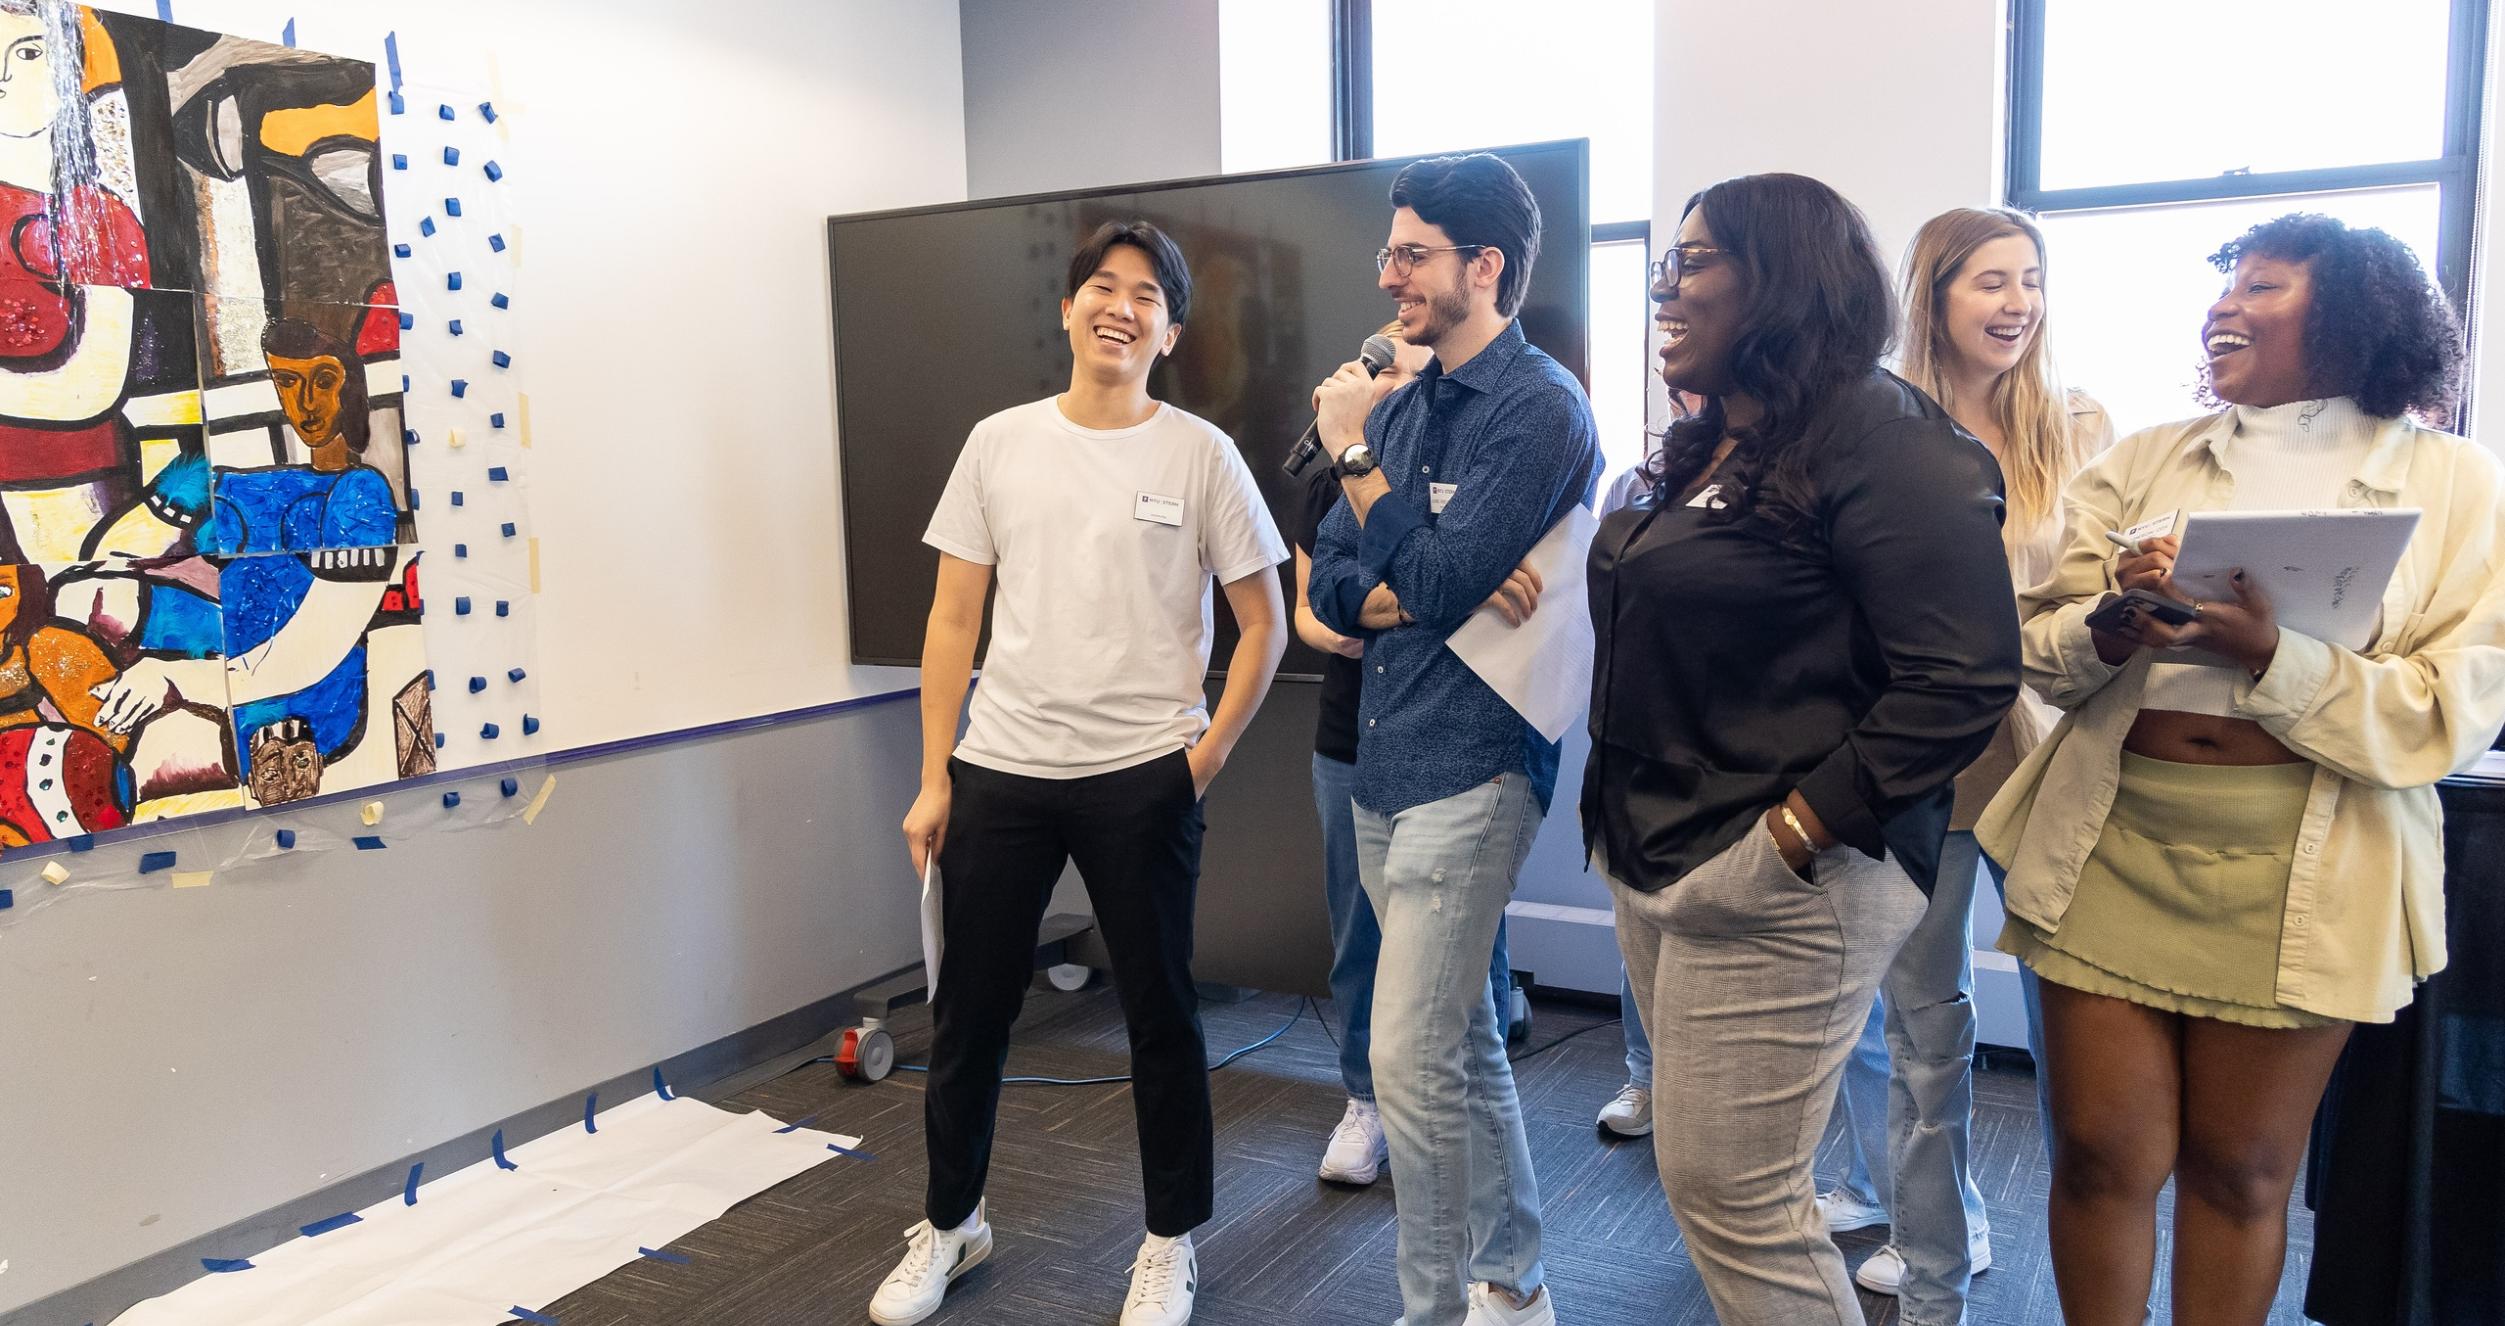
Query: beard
[{"x": 1445, "y": 311}]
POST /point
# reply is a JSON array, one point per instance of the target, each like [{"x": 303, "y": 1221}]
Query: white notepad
[{"x": 2324, "y": 571}]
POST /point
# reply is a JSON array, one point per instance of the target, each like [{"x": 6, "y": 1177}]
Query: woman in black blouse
[{"x": 1803, "y": 634}]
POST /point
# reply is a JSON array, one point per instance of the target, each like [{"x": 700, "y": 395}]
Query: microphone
[{"x": 1376, "y": 354}]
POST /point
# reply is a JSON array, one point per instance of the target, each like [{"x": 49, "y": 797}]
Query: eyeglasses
[
  {"x": 1675, "y": 262},
  {"x": 1405, "y": 256}
]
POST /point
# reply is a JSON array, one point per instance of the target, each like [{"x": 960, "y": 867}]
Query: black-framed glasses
[
  {"x": 1405, "y": 256},
  {"x": 1675, "y": 262}
]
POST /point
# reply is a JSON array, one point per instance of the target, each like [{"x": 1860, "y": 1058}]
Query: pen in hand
[{"x": 2127, "y": 545}]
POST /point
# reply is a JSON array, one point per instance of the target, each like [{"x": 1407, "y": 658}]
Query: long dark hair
[{"x": 1819, "y": 313}]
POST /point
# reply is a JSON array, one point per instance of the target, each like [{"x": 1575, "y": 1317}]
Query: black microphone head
[{"x": 1376, "y": 354}]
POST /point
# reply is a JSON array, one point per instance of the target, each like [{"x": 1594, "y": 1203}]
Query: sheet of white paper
[
  {"x": 1543, "y": 667},
  {"x": 930, "y": 927},
  {"x": 2324, "y": 571},
  {"x": 483, "y": 1241}
]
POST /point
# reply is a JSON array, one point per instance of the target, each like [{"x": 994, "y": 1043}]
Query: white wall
[{"x": 1074, "y": 94}]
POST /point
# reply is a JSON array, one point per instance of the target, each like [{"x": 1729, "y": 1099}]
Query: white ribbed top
[{"x": 2294, "y": 457}]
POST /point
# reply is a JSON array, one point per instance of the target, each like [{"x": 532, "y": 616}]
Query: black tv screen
[{"x": 946, "y": 315}]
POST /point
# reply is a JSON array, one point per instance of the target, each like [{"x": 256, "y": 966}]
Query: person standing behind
[
  {"x": 1447, "y": 488},
  {"x": 1105, "y": 514},
  {"x": 1975, "y": 340},
  {"x": 1801, "y": 639},
  {"x": 1356, "y": 1151}
]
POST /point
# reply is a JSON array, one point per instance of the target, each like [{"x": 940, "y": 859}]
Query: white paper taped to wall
[{"x": 483, "y": 1241}]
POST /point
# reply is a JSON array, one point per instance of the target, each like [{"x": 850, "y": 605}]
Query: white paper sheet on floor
[{"x": 483, "y": 1241}]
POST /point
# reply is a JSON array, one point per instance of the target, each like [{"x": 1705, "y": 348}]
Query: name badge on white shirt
[
  {"x": 1159, "y": 510},
  {"x": 1708, "y": 498},
  {"x": 1439, "y": 496}
]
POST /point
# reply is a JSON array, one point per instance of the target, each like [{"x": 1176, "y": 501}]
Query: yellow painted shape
[
  {"x": 187, "y": 803},
  {"x": 193, "y": 879},
  {"x": 104, "y": 63},
  {"x": 530, "y": 813},
  {"x": 289, "y": 130},
  {"x": 168, "y": 409}
]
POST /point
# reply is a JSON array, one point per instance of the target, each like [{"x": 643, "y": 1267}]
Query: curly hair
[
  {"x": 2378, "y": 329},
  {"x": 1819, "y": 311}
]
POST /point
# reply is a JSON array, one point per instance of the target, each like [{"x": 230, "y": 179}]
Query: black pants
[{"x": 1135, "y": 834}]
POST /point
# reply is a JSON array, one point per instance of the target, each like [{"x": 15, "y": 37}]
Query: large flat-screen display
[{"x": 945, "y": 315}]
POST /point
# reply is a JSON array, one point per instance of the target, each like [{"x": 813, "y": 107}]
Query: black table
[{"x": 2407, "y": 1178}]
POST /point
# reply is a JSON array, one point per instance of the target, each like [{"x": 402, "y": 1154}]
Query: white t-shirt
[{"x": 1103, "y": 544}]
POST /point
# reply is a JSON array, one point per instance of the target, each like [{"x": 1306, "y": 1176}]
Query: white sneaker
[
  {"x": 1884, "y": 1273},
  {"x": 1490, "y": 1308},
  {"x": 1846, "y": 1213},
  {"x": 1164, "y": 1279},
  {"x": 934, "y": 1258},
  {"x": 1357, "y": 1150},
  {"x": 1629, "y": 1113}
]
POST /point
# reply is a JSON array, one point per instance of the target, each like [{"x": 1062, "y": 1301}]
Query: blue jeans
[
  {"x": 1631, "y": 1025},
  {"x": 1356, "y": 936},
  {"x": 1439, "y": 876},
  {"x": 1908, "y": 1098},
  {"x": 2030, "y": 993}
]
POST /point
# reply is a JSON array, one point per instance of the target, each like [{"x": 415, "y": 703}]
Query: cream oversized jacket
[{"x": 2365, "y": 907}]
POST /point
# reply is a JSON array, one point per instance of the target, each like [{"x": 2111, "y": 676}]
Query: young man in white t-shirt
[{"x": 1104, "y": 514}]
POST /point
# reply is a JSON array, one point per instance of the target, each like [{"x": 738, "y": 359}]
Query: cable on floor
[{"x": 1230, "y": 1057}]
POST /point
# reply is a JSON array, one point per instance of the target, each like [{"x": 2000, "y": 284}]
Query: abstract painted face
[
  {"x": 28, "y": 99},
  {"x": 309, "y": 390},
  {"x": 9, "y": 586}
]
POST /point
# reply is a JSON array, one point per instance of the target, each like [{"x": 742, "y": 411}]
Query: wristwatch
[{"x": 1357, "y": 461}]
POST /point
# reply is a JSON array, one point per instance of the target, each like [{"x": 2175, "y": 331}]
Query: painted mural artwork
[{"x": 208, "y": 585}]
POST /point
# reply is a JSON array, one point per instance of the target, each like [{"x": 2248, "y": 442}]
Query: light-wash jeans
[
  {"x": 1439, "y": 876},
  {"x": 1908, "y": 1100},
  {"x": 1356, "y": 938},
  {"x": 1631, "y": 1025},
  {"x": 1754, "y": 983}
]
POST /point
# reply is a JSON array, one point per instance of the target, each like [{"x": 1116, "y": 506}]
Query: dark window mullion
[
  {"x": 2221, "y": 188},
  {"x": 1352, "y": 79}
]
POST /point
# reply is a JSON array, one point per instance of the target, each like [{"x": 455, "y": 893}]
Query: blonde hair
[{"x": 2039, "y": 448}]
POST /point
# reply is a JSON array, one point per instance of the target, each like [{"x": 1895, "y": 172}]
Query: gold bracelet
[{"x": 1792, "y": 822}]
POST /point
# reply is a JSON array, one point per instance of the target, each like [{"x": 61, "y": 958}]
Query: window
[
  {"x": 2147, "y": 133},
  {"x": 1274, "y": 84}
]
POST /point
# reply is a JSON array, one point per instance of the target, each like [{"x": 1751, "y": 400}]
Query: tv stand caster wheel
[{"x": 866, "y": 1054}]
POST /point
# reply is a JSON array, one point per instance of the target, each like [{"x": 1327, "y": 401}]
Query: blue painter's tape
[
  {"x": 500, "y": 359},
  {"x": 287, "y": 36},
  {"x": 400, "y": 250},
  {"x": 499, "y": 300},
  {"x": 452, "y": 155},
  {"x": 460, "y": 386},
  {"x": 452, "y": 207},
  {"x": 455, "y": 326},
  {"x": 165, "y": 11},
  {"x": 391, "y": 57},
  {"x": 398, "y": 106},
  {"x": 515, "y": 676},
  {"x": 8, "y": 899},
  {"x": 409, "y": 436},
  {"x": 225, "y": 1265},
  {"x": 530, "y": 726},
  {"x": 408, "y": 1195},
  {"x": 510, "y": 786},
  {"x": 320, "y": 1227},
  {"x": 451, "y": 800},
  {"x": 796, "y": 1127},
  {"x": 286, "y": 840},
  {"x": 461, "y": 606},
  {"x": 487, "y": 111},
  {"x": 495, "y": 1147},
  {"x": 496, "y": 242},
  {"x": 503, "y": 609},
  {"x": 655, "y": 1254},
  {"x": 429, "y": 674},
  {"x": 848, "y": 1153},
  {"x": 591, "y": 1106},
  {"x": 408, "y": 322},
  {"x": 426, "y": 227},
  {"x": 370, "y": 843},
  {"x": 400, "y": 161},
  {"x": 509, "y": 530},
  {"x": 439, "y": 741},
  {"x": 496, "y": 420},
  {"x": 85, "y": 842},
  {"x": 443, "y": 112},
  {"x": 404, "y": 382},
  {"x": 541, "y": 1317},
  {"x": 477, "y": 684},
  {"x": 153, "y": 862},
  {"x": 488, "y": 731},
  {"x": 460, "y": 550},
  {"x": 456, "y": 497},
  {"x": 496, "y": 474},
  {"x": 413, "y": 499},
  {"x": 660, "y": 1084},
  {"x": 452, "y": 280},
  {"x": 494, "y": 172}
]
